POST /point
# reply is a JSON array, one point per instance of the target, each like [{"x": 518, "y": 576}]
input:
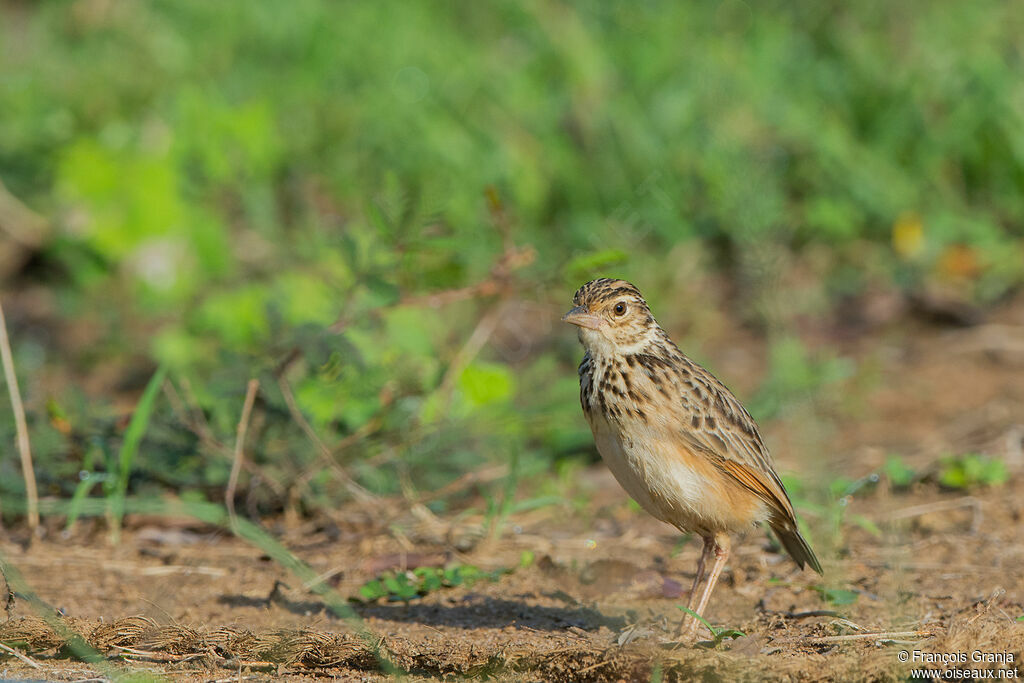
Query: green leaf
[
  {"x": 718, "y": 634},
  {"x": 372, "y": 590},
  {"x": 132, "y": 438},
  {"x": 526, "y": 559},
  {"x": 899, "y": 474},
  {"x": 453, "y": 577},
  {"x": 431, "y": 582},
  {"x": 971, "y": 470},
  {"x": 306, "y": 298},
  {"x": 587, "y": 266},
  {"x": 238, "y": 318},
  {"x": 85, "y": 484},
  {"x": 866, "y": 524},
  {"x": 837, "y": 596},
  {"x": 485, "y": 383}
]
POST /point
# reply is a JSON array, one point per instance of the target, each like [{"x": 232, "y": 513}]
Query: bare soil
[{"x": 934, "y": 570}]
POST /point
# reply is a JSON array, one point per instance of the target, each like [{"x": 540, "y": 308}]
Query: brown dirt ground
[{"x": 945, "y": 574}]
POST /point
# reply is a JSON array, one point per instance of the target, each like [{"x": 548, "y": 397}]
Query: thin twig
[
  {"x": 202, "y": 431},
  {"x": 22, "y": 427},
  {"x": 481, "y": 476},
  {"x": 236, "y": 464},
  {"x": 363, "y": 431},
  {"x": 162, "y": 657},
  {"x": 483, "y": 331},
  {"x": 498, "y": 281},
  {"x": 11, "y": 650},
  {"x": 941, "y": 506},
  {"x": 192, "y": 419},
  {"x": 854, "y": 636},
  {"x": 596, "y": 665},
  {"x": 354, "y": 488}
]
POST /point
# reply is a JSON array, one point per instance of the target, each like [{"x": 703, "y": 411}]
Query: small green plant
[
  {"x": 130, "y": 448},
  {"x": 526, "y": 559},
  {"x": 899, "y": 474},
  {"x": 842, "y": 491},
  {"x": 971, "y": 470},
  {"x": 837, "y": 596},
  {"x": 415, "y": 583},
  {"x": 717, "y": 634}
]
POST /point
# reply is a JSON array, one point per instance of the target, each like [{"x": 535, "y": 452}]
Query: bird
[{"x": 675, "y": 438}]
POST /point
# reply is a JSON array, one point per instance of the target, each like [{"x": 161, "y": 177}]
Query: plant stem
[{"x": 27, "y": 470}]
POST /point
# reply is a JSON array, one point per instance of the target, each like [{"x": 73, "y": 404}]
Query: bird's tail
[{"x": 790, "y": 538}]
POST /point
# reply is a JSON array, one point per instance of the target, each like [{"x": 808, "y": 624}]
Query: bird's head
[{"x": 613, "y": 317}]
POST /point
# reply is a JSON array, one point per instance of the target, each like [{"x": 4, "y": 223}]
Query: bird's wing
[{"x": 714, "y": 422}]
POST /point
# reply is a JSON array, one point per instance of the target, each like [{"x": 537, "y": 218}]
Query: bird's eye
[{"x": 620, "y": 308}]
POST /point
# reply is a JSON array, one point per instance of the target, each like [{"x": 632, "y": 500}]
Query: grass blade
[
  {"x": 717, "y": 634},
  {"x": 701, "y": 619},
  {"x": 84, "y": 486},
  {"x": 130, "y": 447}
]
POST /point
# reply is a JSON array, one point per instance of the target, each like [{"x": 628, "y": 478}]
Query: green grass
[
  {"x": 130, "y": 448},
  {"x": 718, "y": 635},
  {"x": 972, "y": 470},
  {"x": 837, "y": 596},
  {"x": 421, "y": 581}
]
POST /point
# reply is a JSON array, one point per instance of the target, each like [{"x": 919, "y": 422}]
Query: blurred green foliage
[
  {"x": 233, "y": 184},
  {"x": 972, "y": 470},
  {"x": 415, "y": 583},
  {"x": 837, "y": 596},
  {"x": 898, "y": 472}
]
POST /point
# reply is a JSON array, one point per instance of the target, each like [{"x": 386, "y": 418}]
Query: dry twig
[
  {"x": 22, "y": 427},
  {"x": 27, "y": 660},
  {"x": 193, "y": 420},
  {"x": 889, "y": 635},
  {"x": 236, "y": 464},
  {"x": 483, "y": 331},
  {"x": 942, "y": 506}
]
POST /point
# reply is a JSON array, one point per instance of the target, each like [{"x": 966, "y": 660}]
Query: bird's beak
[{"x": 579, "y": 316}]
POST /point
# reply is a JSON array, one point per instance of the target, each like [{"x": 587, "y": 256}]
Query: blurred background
[{"x": 379, "y": 211}]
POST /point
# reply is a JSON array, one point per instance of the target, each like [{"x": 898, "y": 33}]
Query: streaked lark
[{"x": 675, "y": 437}]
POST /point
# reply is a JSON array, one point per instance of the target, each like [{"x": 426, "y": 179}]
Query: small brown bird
[{"x": 675, "y": 437}]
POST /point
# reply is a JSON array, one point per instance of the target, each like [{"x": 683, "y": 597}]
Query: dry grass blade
[
  {"x": 942, "y": 506},
  {"x": 483, "y": 331},
  {"x": 888, "y": 635},
  {"x": 24, "y": 450},
  {"x": 14, "y": 653},
  {"x": 192, "y": 418},
  {"x": 236, "y": 463},
  {"x": 141, "y": 638}
]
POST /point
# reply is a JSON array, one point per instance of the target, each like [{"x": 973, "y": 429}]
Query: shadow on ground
[{"x": 470, "y": 613}]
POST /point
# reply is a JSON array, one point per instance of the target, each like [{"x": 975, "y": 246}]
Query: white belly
[{"x": 663, "y": 486}]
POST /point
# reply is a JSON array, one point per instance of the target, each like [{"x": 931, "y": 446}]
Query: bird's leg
[
  {"x": 685, "y": 625},
  {"x": 721, "y": 549},
  {"x": 701, "y": 564}
]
